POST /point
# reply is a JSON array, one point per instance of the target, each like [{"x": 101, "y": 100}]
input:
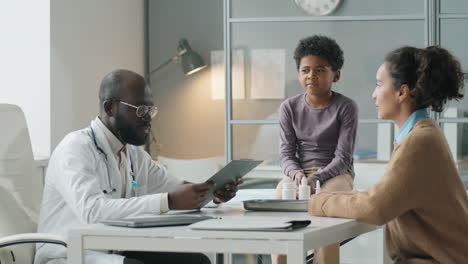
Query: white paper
[
  {"x": 237, "y": 75},
  {"x": 267, "y": 78}
]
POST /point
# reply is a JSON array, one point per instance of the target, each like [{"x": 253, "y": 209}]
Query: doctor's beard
[{"x": 128, "y": 132}]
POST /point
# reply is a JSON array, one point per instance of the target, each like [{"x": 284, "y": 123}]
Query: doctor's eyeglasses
[{"x": 143, "y": 110}]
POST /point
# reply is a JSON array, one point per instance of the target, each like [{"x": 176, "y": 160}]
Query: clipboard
[
  {"x": 250, "y": 225},
  {"x": 276, "y": 205},
  {"x": 232, "y": 171}
]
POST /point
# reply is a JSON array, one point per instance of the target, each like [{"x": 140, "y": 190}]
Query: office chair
[{"x": 20, "y": 191}]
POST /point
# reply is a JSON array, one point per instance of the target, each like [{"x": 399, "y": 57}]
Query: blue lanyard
[
  {"x": 410, "y": 122},
  {"x": 132, "y": 173}
]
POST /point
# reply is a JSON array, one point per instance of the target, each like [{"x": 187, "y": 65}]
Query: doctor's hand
[
  {"x": 227, "y": 193},
  {"x": 188, "y": 196}
]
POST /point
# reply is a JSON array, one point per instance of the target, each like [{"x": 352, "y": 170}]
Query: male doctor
[{"x": 99, "y": 173}]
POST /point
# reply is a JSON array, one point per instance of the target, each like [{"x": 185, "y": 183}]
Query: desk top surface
[{"x": 318, "y": 225}]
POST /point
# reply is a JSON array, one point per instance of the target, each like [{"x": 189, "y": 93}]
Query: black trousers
[{"x": 132, "y": 257}]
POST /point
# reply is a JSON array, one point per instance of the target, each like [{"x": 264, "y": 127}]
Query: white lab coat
[{"x": 73, "y": 193}]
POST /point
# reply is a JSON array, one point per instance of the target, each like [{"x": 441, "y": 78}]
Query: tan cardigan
[{"x": 421, "y": 199}]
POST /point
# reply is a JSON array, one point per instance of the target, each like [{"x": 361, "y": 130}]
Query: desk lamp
[{"x": 192, "y": 62}]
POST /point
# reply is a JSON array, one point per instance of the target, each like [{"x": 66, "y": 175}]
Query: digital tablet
[{"x": 232, "y": 171}]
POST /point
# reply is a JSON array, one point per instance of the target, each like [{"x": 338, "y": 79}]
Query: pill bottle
[
  {"x": 289, "y": 191},
  {"x": 304, "y": 190}
]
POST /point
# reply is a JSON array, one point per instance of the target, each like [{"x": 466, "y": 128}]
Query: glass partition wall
[
  {"x": 452, "y": 24},
  {"x": 261, "y": 72}
]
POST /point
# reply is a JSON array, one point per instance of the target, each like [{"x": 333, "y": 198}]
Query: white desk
[{"x": 294, "y": 244}]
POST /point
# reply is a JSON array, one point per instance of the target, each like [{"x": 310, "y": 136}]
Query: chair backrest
[
  {"x": 20, "y": 187},
  {"x": 194, "y": 170}
]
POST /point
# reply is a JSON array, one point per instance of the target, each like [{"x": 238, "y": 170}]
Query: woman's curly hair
[
  {"x": 433, "y": 75},
  {"x": 321, "y": 46}
]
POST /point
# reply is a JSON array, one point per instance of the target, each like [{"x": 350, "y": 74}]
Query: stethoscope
[{"x": 110, "y": 189}]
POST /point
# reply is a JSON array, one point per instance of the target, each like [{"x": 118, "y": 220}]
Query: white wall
[
  {"x": 89, "y": 39},
  {"x": 25, "y": 65}
]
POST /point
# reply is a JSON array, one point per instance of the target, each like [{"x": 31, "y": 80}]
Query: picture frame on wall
[
  {"x": 218, "y": 79},
  {"x": 267, "y": 74}
]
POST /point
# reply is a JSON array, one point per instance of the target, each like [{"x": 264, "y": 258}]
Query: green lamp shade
[{"x": 191, "y": 61}]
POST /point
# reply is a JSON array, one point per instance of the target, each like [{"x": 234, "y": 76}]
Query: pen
[{"x": 317, "y": 187}]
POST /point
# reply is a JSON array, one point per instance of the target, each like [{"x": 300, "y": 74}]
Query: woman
[{"x": 421, "y": 198}]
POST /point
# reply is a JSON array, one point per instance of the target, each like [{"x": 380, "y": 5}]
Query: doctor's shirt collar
[{"x": 114, "y": 142}]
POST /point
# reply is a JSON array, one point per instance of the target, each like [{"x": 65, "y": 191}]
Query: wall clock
[{"x": 318, "y": 7}]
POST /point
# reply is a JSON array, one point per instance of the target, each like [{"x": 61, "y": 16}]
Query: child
[
  {"x": 421, "y": 198},
  {"x": 318, "y": 127}
]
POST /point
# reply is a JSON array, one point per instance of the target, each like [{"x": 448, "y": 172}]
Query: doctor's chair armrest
[{"x": 27, "y": 238}]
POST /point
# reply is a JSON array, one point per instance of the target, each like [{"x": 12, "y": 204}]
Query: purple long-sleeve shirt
[{"x": 318, "y": 137}]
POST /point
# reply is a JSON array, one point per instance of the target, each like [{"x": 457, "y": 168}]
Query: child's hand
[
  {"x": 311, "y": 183},
  {"x": 298, "y": 177}
]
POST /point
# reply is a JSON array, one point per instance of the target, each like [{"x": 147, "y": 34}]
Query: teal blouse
[{"x": 410, "y": 122}]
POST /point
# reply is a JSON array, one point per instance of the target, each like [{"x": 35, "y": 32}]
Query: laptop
[{"x": 159, "y": 220}]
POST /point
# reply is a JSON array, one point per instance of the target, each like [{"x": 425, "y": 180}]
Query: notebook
[
  {"x": 232, "y": 171},
  {"x": 160, "y": 220},
  {"x": 249, "y": 225}
]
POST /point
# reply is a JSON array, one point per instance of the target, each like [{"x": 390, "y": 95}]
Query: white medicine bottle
[
  {"x": 289, "y": 191},
  {"x": 304, "y": 190}
]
